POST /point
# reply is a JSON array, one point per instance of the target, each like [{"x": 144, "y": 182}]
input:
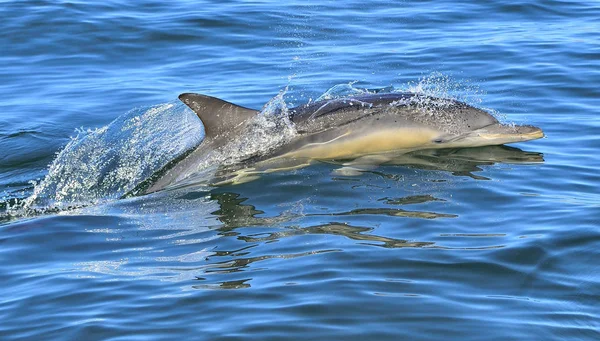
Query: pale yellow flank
[{"x": 352, "y": 145}]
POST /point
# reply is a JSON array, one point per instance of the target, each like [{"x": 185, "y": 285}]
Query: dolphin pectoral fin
[
  {"x": 240, "y": 176},
  {"x": 361, "y": 164},
  {"x": 238, "y": 179},
  {"x": 249, "y": 174},
  {"x": 284, "y": 164},
  {"x": 217, "y": 115},
  {"x": 347, "y": 171}
]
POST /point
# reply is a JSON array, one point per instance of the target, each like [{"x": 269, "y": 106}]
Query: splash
[
  {"x": 439, "y": 85},
  {"x": 267, "y": 131},
  {"x": 342, "y": 91},
  {"x": 105, "y": 163},
  {"x": 444, "y": 88}
]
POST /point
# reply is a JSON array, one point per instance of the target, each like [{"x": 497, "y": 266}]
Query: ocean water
[{"x": 495, "y": 243}]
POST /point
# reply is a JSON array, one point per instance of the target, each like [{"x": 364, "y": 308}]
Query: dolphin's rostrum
[{"x": 350, "y": 128}]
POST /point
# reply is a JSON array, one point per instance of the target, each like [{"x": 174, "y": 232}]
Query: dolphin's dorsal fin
[{"x": 217, "y": 115}]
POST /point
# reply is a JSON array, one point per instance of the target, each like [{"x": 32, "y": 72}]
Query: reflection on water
[
  {"x": 233, "y": 213},
  {"x": 239, "y": 263},
  {"x": 466, "y": 161},
  {"x": 459, "y": 162},
  {"x": 239, "y": 284},
  {"x": 411, "y": 199},
  {"x": 337, "y": 229},
  {"x": 394, "y": 212}
]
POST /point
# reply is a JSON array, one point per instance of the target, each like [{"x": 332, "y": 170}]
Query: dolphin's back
[{"x": 446, "y": 115}]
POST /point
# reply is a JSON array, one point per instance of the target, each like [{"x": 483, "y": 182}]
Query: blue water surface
[{"x": 492, "y": 243}]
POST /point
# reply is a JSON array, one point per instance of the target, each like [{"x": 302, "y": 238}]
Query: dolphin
[{"x": 360, "y": 127}]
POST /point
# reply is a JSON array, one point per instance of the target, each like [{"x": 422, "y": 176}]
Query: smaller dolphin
[{"x": 347, "y": 128}]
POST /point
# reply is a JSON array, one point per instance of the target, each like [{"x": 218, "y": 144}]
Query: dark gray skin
[{"x": 348, "y": 128}]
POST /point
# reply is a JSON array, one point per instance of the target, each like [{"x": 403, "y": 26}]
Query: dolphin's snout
[
  {"x": 508, "y": 133},
  {"x": 529, "y": 130}
]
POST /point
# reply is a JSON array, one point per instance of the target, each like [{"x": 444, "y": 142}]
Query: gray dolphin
[{"x": 347, "y": 128}]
